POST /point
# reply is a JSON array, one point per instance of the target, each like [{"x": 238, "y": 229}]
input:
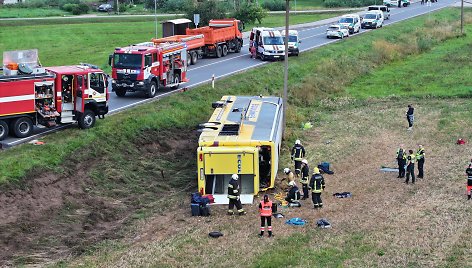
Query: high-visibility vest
[
  {"x": 412, "y": 158},
  {"x": 401, "y": 154},
  {"x": 420, "y": 154},
  {"x": 266, "y": 208}
]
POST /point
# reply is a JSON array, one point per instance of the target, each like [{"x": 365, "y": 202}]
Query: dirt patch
[{"x": 56, "y": 215}]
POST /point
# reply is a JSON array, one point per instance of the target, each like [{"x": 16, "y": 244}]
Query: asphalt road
[{"x": 312, "y": 36}]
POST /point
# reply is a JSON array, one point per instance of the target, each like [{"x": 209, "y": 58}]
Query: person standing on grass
[
  {"x": 410, "y": 168},
  {"x": 410, "y": 117},
  {"x": 265, "y": 211},
  {"x": 317, "y": 185},
  {"x": 298, "y": 153},
  {"x": 233, "y": 196},
  {"x": 420, "y": 158},
  {"x": 304, "y": 178},
  {"x": 401, "y": 159},
  {"x": 468, "y": 171}
]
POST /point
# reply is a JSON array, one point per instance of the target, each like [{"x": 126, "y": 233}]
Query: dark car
[{"x": 105, "y": 8}]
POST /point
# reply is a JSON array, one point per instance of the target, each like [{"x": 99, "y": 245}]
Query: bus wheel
[
  {"x": 3, "y": 130},
  {"x": 194, "y": 56},
  {"x": 87, "y": 119},
  {"x": 225, "y": 50},
  {"x": 219, "y": 51},
  {"x": 22, "y": 127},
  {"x": 151, "y": 92},
  {"x": 176, "y": 81}
]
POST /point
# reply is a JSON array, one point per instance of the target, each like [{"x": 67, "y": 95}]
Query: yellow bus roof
[{"x": 243, "y": 120}]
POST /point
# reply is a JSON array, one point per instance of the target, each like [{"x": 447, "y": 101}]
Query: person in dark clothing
[
  {"x": 399, "y": 3},
  {"x": 468, "y": 171},
  {"x": 420, "y": 159},
  {"x": 233, "y": 196},
  {"x": 298, "y": 153},
  {"x": 410, "y": 168},
  {"x": 317, "y": 185},
  {"x": 293, "y": 194},
  {"x": 265, "y": 211},
  {"x": 410, "y": 117},
  {"x": 304, "y": 178},
  {"x": 401, "y": 159}
]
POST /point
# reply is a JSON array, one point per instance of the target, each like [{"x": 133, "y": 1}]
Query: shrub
[
  {"x": 62, "y": 3},
  {"x": 274, "y": 5},
  {"x": 69, "y": 7},
  {"x": 250, "y": 12},
  {"x": 208, "y": 10},
  {"x": 175, "y": 5},
  {"x": 348, "y": 3}
]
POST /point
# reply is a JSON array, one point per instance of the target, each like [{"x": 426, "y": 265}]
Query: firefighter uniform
[
  {"x": 401, "y": 159},
  {"x": 420, "y": 158},
  {"x": 298, "y": 153},
  {"x": 468, "y": 171},
  {"x": 265, "y": 211},
  {"x": 305, "y": 172},
  {"x": 317, "y": 185},
  {"x": 293, "y": 194},
  {"x": 233, "y": 196},
  {"x": 410, "y": 168}
]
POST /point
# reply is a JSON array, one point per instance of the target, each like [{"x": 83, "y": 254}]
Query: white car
[
  {"x": 337, "y": 31},
  {"x": 352, "y": 22},
  {"x": 373, "y": 19}
]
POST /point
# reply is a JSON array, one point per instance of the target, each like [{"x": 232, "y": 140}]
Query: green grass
[
  {"x": 317, "y": 65},
  {"x": 15, "y": 12},
  {"x": 304, "y": 4}
]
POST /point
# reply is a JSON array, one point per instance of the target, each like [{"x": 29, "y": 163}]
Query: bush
[
  {"x": 70, "y": 7},
  {"x": 63, "y": 3},
  {"x": 348, "y": 3},
  {"x": 274, "y": 5},
  {"x": 250, "y": 12},
  {"x": 149, "y": 4},
  {"x": 175, "y": 5},
  {"x": 208, "y": 10},
  {"x": 76, "y": 9}
]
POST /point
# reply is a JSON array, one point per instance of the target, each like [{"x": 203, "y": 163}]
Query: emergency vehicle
[
  {"x": 147, "y": 66},
  {"x": 243, "y": 136},
  {"x": 268, "y": 43},
  {"x": 32, "y": 95}
]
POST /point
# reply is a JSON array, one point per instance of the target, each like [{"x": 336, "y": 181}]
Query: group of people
[
  {"x": 428, "y": 2},
  {"x": 406, "y": 163},
  {"x": 315, "y": 183}
]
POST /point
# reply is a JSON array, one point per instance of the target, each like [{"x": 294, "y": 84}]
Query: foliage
[
  {"x": 176, "y": 5},
  {"x": 211, "y": 9},
  {"x": 250, "y": 12},
  {"x": 348, "y": 3},
  {"x": 274, "y": 5}
]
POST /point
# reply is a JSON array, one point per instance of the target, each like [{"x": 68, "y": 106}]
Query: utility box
[{"x": 175, "y": 27}]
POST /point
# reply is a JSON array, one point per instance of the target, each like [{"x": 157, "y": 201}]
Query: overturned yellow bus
[{"x": 243, "y": 136}]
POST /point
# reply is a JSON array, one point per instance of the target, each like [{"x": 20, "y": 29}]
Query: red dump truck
[{"x": 217, "y": 39}]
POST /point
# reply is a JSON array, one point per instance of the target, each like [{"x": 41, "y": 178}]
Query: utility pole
[
  {"x": 155, "y": 15},
  {"x": 118, "y": 6},
  {"x": 462, "y": 16},
  {"x": 285, "y": 95}
]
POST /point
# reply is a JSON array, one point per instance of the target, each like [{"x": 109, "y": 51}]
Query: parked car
[
  {"x": 352, "y": 22},
  {"x": 293, "y": 42},
  {"x": 384, "y": 9},
  {"x": 337, "y": 31},
  {"x": 105, "y": 8},
  {"x": 373, "y": 19},
  {"x": 394, "y": 3}
]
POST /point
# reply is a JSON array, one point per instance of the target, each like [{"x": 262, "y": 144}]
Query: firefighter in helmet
[
  {"x": 304, "y": 178},
  {"x": 298, "y": 153},
  {"x": 317, "y": 185},
  {"x": 233, "y": 196}
]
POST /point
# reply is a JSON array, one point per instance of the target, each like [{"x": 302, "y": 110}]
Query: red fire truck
[
  {"x": 32, "y": 95},
  {"x": 147, "y": 66}
]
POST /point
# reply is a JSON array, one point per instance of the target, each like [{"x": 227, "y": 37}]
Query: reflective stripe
[
  {"x": 232, "y": 196},
  {"x": 17, "y": 98}
]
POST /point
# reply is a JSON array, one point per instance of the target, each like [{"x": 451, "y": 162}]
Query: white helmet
[
  {"x": 286, "y": 170},
  {"x": 297, "y": 142},
  {"x": 235, "y": 177},
  {"x": 305, "y": 162}
]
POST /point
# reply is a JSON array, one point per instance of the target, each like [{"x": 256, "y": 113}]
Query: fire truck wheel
[
  {"x": 194, "y": 57},
  {"x": 22, "y": 127},
  {"x": 120, "y": 92},
  {"x": 225, "y": 50},
  {"x": 219, "y": 51},
  {"x": 176, "y": 81},
  {"x": 87, "y": 119},
  {"x": 3, "y": 130},
  {"x": 151, "y": 92}
]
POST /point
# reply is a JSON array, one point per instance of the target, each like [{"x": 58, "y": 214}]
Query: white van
[
  {"x": 373, "y": 19},
  {"x": 352, "y": 22},
  {"x": 293, "y": 42},
  {"x": 384, "y": 9},
  {"x": 268, "y": 42}
]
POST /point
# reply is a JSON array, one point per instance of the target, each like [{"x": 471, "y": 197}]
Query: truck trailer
[
  {"x": 243, "y": 136},
  {"x": 34, "y": 95}
]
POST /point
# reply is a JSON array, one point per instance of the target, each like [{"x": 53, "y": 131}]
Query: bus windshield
[
  {"x": 275, "y": 40},
  {"x": 127, "y": 61}
]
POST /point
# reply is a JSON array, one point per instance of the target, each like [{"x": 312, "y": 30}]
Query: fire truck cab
[
  {"x": 147, "y": 66},
  {"x": 32, "y": 95}
]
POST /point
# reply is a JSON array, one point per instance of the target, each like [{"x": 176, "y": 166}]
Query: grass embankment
[
  {"x": 16, "y": 12},
  {"x": 316, "y": 76},
  {"x": 70, "y": 41}
]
